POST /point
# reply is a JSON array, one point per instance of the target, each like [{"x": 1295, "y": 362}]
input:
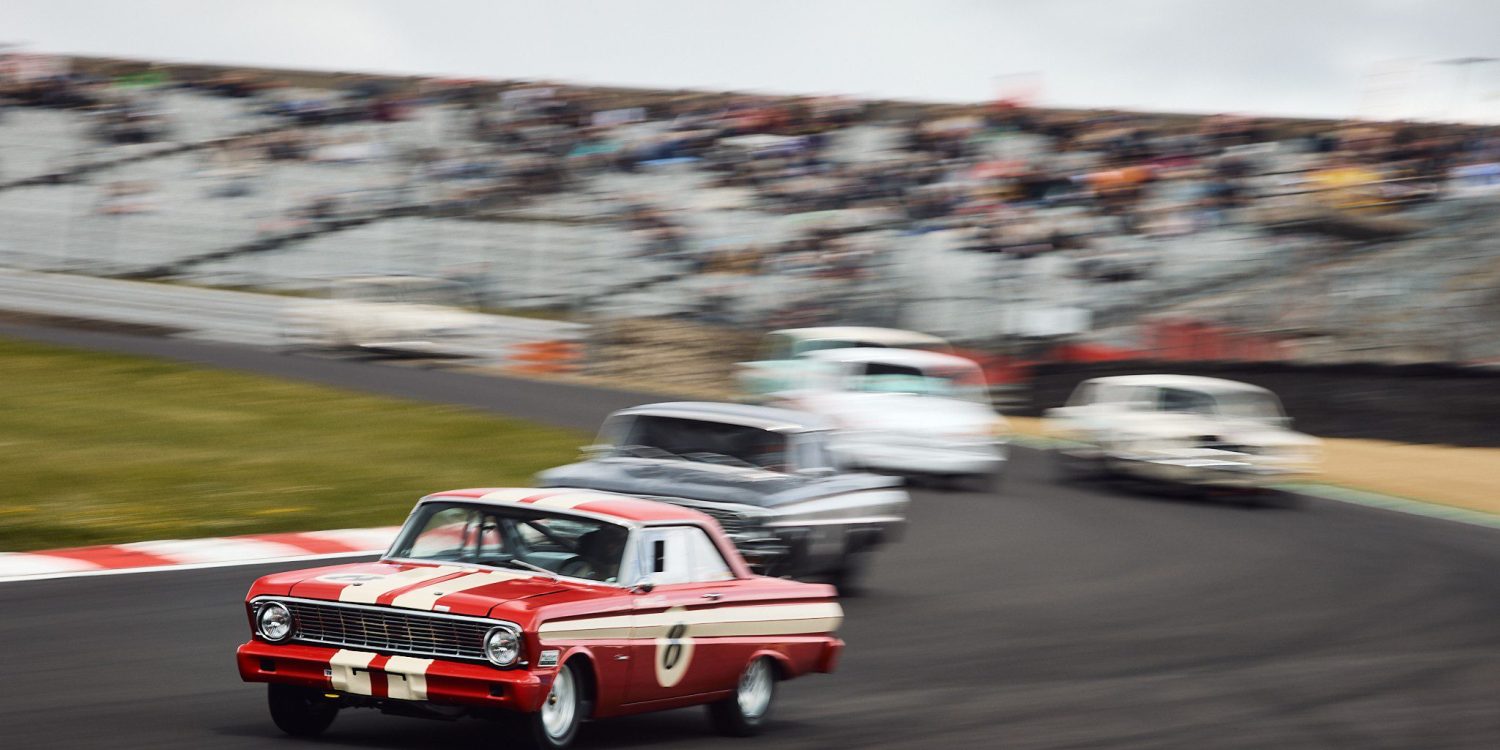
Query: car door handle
[
  {"x": 621, "y": 657},
  {"x": 713, "y": 595}
]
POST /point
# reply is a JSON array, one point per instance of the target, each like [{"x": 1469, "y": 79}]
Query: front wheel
[
  {"x": 555, "y": 725},
  {"x": 299, "y": 711},
  {"x": 1070, "y": 468},
  {"x": 744, "y": 713}
]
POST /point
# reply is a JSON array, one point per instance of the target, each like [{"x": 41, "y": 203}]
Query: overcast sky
[{"x": 1301, "y": 57}]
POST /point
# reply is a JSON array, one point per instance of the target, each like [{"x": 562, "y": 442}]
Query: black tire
[
  {"x": 852, "y": 576},
  {"x": 299, "y": 711},
  {"x": 730, "y": 717},
  {"x": 1069, "y": 468},
  {"x": 534, "y": 731},
  {"x": 988, "y": 483}
]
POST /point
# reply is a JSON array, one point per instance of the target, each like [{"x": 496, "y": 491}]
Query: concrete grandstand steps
[
  {"x": 513, "y": 264},
  {"x": 119, "y": 156},
  {"x": 1423, "y": 298}
]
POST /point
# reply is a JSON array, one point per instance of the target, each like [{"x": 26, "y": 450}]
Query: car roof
[
  {"x": 1197, "y": 382},
  {"x": 919, "y": 358},
  {"x": 570, "y": 501},
  {"x": 886, "y": 336},
  {"x": 745, "y": 415}
]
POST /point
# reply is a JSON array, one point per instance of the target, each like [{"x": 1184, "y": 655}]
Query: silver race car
[{"x": 765, "y": 474}]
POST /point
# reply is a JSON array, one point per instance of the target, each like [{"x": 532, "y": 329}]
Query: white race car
[
  {"x": 1179, "y": 429},
  {"x": 780, "y": 368},
  {"x": 905, "y": 411}
]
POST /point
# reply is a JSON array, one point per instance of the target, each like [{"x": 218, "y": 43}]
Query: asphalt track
[{"x": 1046, "y": 616}]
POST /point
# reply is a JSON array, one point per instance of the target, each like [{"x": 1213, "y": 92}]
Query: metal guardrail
[{"x": 242, "y": 317}]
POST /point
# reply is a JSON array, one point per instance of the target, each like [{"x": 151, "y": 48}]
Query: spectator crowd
[{"x": 1013, "y": 181}]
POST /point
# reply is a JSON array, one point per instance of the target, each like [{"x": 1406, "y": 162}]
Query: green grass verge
[{"x": 101, "y": 448}]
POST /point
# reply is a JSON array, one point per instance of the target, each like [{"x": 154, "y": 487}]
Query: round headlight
[
  {"x": 502, "y": 646},
  {"x": 274, "y": 621}
]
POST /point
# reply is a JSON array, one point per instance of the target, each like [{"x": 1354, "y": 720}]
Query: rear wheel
[
  {"x": 987, "y": 483},
  {"x": 853, "y": 573},
  {"x": 299, "y": 711},
  {"x": 744, "y": 713}
]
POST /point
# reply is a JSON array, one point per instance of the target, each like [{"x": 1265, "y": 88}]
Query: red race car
[{"x": 543, "y": 607}]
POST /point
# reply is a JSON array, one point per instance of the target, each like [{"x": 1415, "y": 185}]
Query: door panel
[
  {"x": 675, "y": 651},
  {"x": 671, "y": 659}
]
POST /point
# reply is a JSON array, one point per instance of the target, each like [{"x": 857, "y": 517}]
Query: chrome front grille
[{"x": 388, "y": 630}]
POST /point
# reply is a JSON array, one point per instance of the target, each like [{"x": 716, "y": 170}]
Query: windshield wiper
[
  {"x": 528, "y": 566},
  {"x": 646, "y": 451}
]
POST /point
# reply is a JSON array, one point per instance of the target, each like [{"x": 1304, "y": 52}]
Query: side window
[
  {"x": 708, "y": 563},
  {"x": 1141, "y": 398},
  {"x": 614, "y": 431},
  {"x": 443, "y": 535},
  {"x": 666, "y": 553},
  {"x": 682, "y": 554},
  {"x": 776, "y": 346},
  {"x": 1083, "y": 395}
]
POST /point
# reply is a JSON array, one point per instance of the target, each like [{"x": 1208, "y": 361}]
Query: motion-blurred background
[
  {"x": 531, "y": 215},
  {"x": 670, "y": 220}
]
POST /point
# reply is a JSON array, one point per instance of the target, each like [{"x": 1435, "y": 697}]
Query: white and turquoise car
[
  {"x": 908, "y": 412},
  {"x": 780, "y": 368}
]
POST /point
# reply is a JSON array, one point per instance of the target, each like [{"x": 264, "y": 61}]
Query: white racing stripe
[
  {"x": 366, "y": 592},
  {"x": 427, "y": 597},
  {"x": 351, "y": 671},
  {"x": 512, "y": 495},
  {"x": 748, "y": 620},
  {"x": 570, "y": 500},
  {"x": 598, "y": 628},
  {"x": 546, "y": 498},
  {"x": 406, "y": 678},
  {"x": 766, "y": 627}
]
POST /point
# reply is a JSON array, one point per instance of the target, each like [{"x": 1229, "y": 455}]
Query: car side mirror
[{"x": 643, "y": 586}]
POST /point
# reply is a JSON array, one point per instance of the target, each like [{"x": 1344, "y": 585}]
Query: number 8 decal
[{"x": 674, "y": 651}]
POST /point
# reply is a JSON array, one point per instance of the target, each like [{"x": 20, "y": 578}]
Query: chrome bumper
[
  {"x": 1205, "y": 471},
  {"x": 927, "y": 458}
]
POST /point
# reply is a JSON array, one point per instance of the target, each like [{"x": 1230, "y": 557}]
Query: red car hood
[{"x": 454, "y": 589}]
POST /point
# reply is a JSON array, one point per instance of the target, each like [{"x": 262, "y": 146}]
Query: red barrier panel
[{"x": 546, "y": 357}]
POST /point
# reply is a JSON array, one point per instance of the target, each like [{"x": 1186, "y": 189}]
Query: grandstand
[{"x": 991, "y": 224}]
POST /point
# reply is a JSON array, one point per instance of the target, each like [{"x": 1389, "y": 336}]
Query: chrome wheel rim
[
  {"x": 755, "y": 689},
  {"x": 560, "y": 706}
]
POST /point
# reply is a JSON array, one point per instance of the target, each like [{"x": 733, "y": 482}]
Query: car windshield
[
  {"x": 1249, "y": 405},
  {"x": 948, "y": 382},
  {"x": 1237, "y": 404},
  {"x": 815, "y": 345},
  {"x": 697, "y": 440},
  {"x": 513, "y": 537}
]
